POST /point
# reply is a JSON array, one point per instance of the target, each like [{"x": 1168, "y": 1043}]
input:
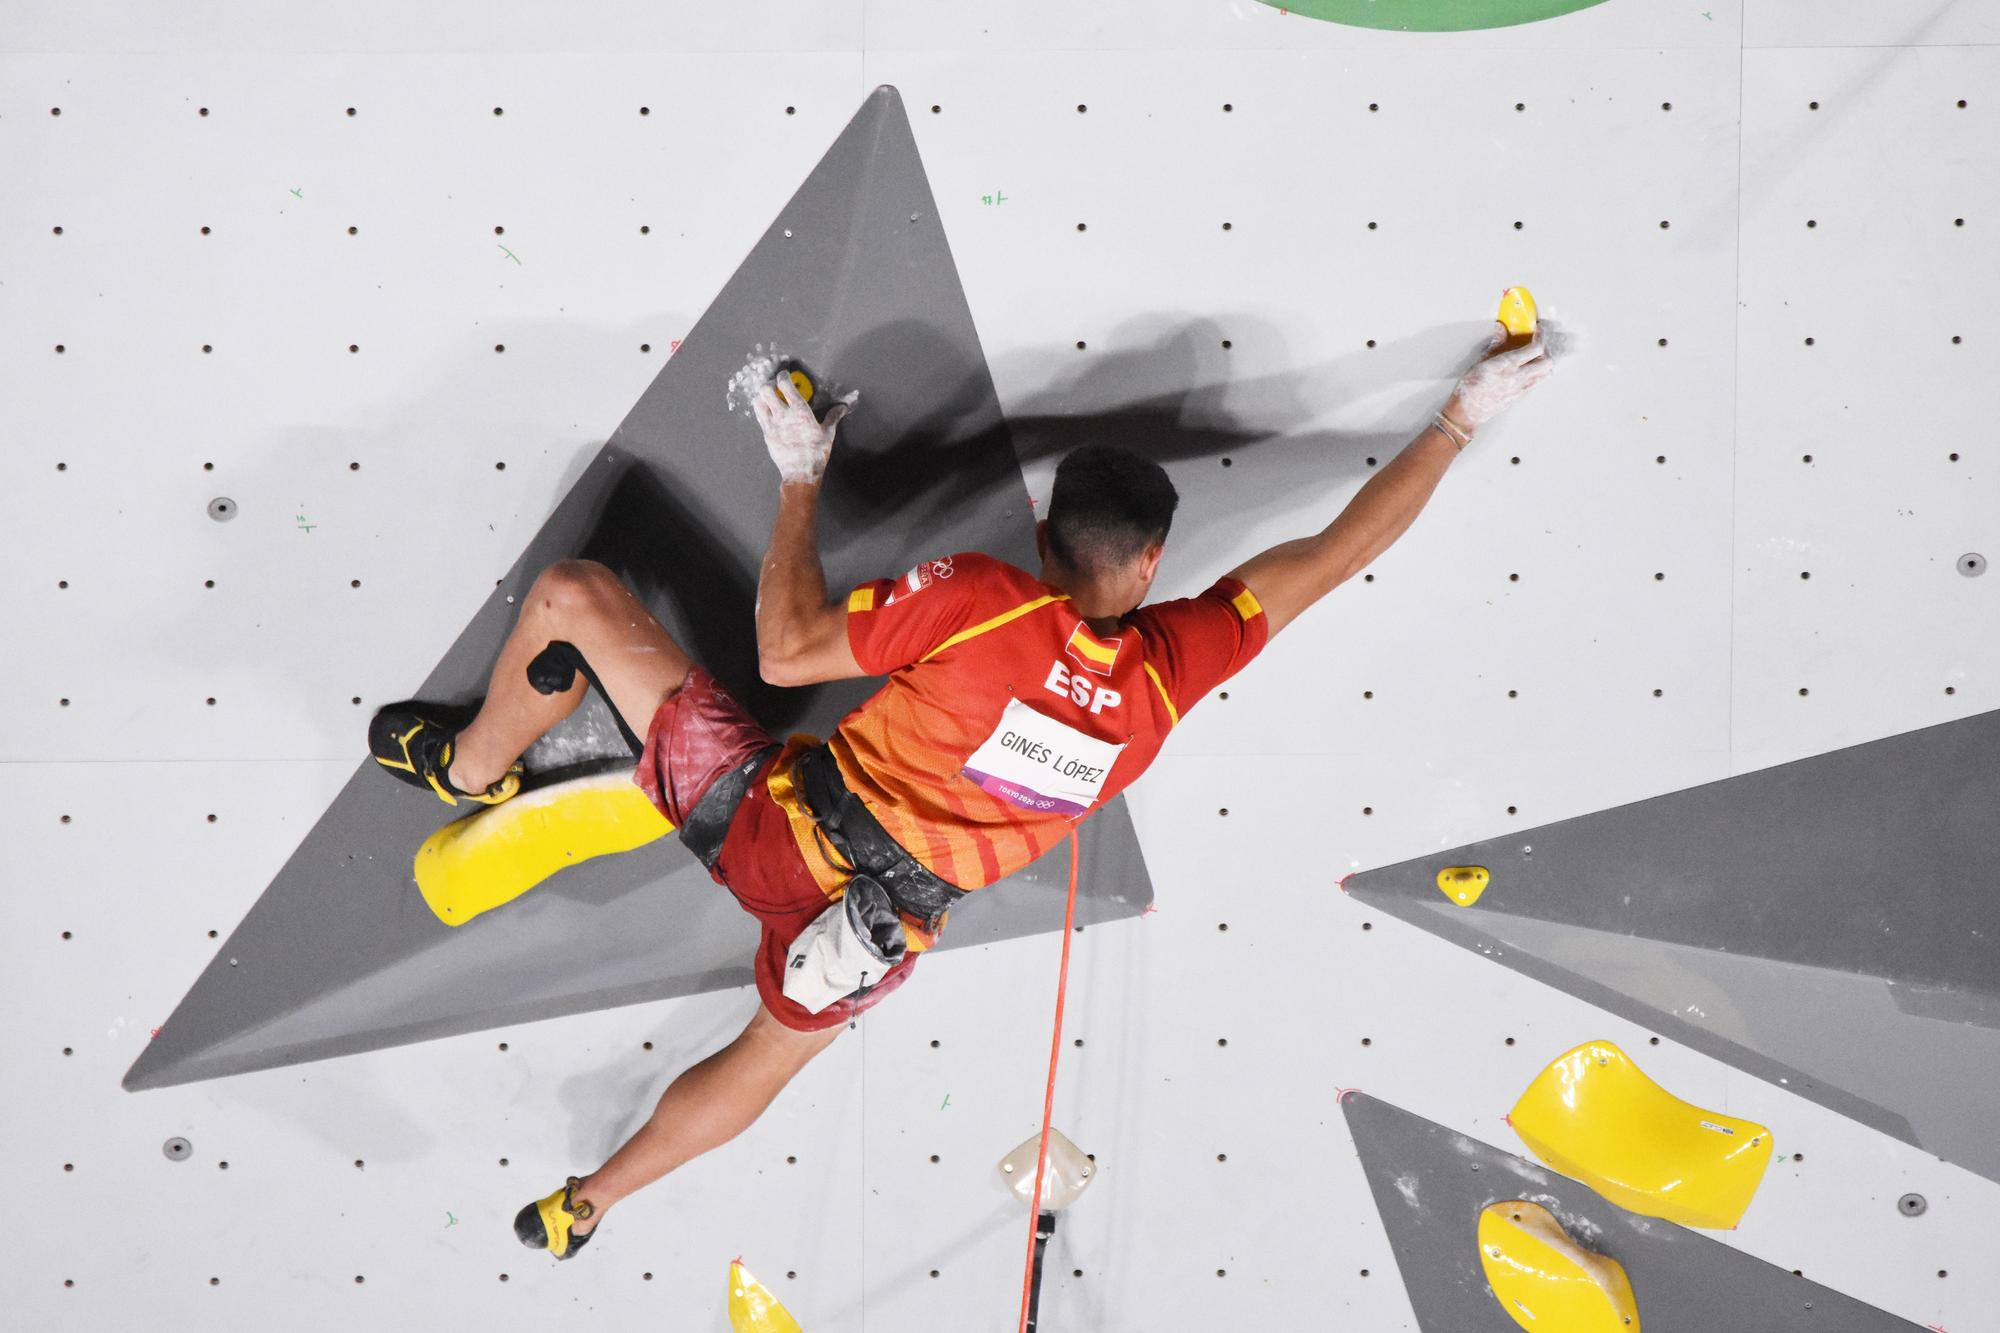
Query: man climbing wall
[{"x": 1014, "y": 705}]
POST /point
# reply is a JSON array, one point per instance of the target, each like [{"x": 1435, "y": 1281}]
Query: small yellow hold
[
  {"x": 752, "y": 1307},
  {"x": 1595, "y": 1116},
  {"x": 1463, "y": 884},
  {"x": 805, "y": 386},
  {"x": 1548, "y": 1282},
  {"x": 1517, "y": 313}
]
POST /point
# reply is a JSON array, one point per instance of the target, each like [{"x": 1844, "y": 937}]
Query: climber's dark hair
[{"x": 1107, "y": 507}]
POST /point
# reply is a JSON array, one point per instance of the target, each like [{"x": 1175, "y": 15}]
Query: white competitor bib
[{"x": 1040, "y": 763}]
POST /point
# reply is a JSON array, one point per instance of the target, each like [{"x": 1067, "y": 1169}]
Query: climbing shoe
[
  {"x": 417, "y": 748},
  {"x": 545, "y": 1224}
]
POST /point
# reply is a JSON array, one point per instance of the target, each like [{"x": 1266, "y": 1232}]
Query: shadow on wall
[
  {"x": 1169, "y": 396},
  {"x": 1169, "y": 399},
  {"x": 1295, "y": 442},
  {"x": 693, "y": 570}
]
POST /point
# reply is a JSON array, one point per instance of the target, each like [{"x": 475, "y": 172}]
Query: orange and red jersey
[{"x": 1005, "y": 718}]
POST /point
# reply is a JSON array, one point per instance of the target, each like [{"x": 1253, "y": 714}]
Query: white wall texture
[{"x": 178, "y": 297}]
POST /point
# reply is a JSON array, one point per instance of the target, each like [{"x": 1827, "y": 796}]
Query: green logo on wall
[{"x": 1432, "y": 15}]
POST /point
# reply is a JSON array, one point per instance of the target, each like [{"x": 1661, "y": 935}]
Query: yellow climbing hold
[
  {"x": 494, "y": 856},
  {"x": 1547, "y": 1281},
  {"x": 802, "y": 384},
  {"x": 1463, "y": 884},
  {"x": 1517, "y": 312},
  {"x": 1593, "y": 1115},
  {"x": 752, "y": 1307}
]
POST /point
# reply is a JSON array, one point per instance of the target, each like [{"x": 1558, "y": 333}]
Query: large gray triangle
[
  {"x": 856, "y": 280},
  {"x": 1831, "y": 924},
  {"x": 1430, "y": 1184}
]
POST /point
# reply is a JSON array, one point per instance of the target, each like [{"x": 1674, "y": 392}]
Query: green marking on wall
[{"x": 1432, "y": 15}]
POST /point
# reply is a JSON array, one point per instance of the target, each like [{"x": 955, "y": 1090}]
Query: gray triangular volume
[
  {"x": 855, "y": 280},
  {"x": 1430, "y": 1184},
  {"x": 1830, "y": 924}
]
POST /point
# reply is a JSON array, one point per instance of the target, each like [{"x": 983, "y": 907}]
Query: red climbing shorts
[{"x": 699, "y": 733}]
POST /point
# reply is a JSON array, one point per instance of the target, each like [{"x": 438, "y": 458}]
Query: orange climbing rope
[{"x": 1049, "y": 1097}]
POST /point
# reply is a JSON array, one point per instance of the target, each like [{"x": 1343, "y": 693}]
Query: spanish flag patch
[{"x": 1091, "y": 652}]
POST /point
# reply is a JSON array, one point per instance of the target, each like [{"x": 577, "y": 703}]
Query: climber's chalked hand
[
  {"x": 798, "y": 441},
  {"x": 1499, "y": 379}
]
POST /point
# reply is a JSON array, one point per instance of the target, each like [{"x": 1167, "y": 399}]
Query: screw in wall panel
[
  {"x": 1912, "y": 1205},
  {"x": 222, "y": 509},
  {"x": 1972, "y": 564},
  {"x": 177, "y": 1149}
]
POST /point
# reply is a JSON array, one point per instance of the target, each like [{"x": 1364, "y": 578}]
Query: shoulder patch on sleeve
[
  {"x": 926, "y": 573},
  {"x": 861, "y": 599},
  {"x": 1246, "y": 604}
]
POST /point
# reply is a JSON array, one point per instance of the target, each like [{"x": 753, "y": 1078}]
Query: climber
[{"x": 1014, "y": 705}]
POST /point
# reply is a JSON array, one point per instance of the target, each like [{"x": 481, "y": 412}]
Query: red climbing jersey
[{"x": 1005, "y": 718}]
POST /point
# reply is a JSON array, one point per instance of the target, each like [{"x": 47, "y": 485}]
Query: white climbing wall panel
[{"x": 1276, "y": 228}]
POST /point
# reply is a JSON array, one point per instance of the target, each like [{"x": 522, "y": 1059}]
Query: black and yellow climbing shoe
[
  {"x": 417, "y": 748},
  {"x": 545, "y": 1224}
]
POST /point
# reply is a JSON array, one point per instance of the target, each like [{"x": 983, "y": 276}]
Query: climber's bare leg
[
  {"x": 584, "y": 603},
  {"x": 708, "y": 1105}
]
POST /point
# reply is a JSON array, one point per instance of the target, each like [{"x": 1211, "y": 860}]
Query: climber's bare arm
[
  {"x": 1292, "y": 575},
  {"x": 801, "y": 639}
]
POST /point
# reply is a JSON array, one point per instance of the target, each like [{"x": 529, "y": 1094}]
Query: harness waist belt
[
  {"x": 708, "y": 823},
  {"x": 866, "y": 845}
]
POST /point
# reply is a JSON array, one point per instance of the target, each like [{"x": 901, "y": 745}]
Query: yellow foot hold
[
  {"x": 1547, "y": 1281},
  {"x": 475, "y": 864},
  {"x": 1517, "y": 312},
  {"x": 802, "y": 384},
  {"x": 1594, "y": 1116},
  {"x": 506, "y": 789},
  {"x": 1463, "y": 884},
  {"x": 752, "y": 1307}
]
